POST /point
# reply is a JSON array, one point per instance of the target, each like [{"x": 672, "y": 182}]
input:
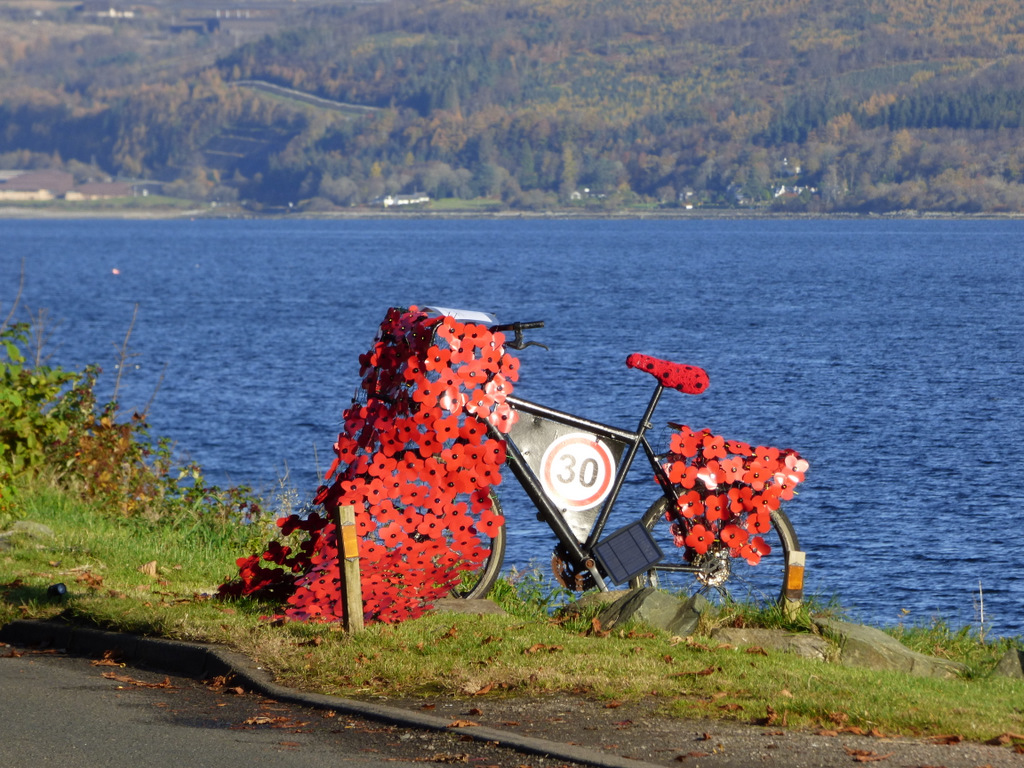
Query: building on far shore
[
  {"x": 37, "y": 186},
  {"x": 41, "y": 186}
]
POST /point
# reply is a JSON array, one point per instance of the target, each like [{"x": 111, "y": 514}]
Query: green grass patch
[{"x": 156, "y": 577}]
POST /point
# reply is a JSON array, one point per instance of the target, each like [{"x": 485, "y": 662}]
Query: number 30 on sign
[{"x": 577, "y": 471}]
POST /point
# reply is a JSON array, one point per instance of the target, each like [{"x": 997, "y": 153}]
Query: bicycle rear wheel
[
  {"x": 475, "y": 584},
  {"x": 778, "y": 578}
]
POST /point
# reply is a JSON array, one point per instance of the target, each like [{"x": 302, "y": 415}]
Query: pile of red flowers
[
  {"x": 416, "y": 462},
  {"x": 727, "y": 491}
]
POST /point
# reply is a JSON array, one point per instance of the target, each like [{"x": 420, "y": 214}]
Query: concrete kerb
[{"x": 203, "y": 662}]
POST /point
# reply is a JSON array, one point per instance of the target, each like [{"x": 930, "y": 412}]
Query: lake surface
[{"x": 889, "y": 353}]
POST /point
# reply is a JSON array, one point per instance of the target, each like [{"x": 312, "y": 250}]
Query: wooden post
[{"x": 348, "y": 566}]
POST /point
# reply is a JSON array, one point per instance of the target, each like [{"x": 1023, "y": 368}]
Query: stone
[
  {"x": 1011, "y": 665},
  {"x": 24, "y": 529},
  {"x": 31, "y": 530},
  {"x": 861, "y": 646},
  {"x": 803, "y": 644},
  {"x": 469, "y": 607},
  {"x": 656, "y": 609}
]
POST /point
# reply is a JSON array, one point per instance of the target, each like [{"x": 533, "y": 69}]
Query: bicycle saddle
[{"x": 685, "y": 378}]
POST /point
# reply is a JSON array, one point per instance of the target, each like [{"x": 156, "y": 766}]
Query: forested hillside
[{"x": 818, "y": 105}]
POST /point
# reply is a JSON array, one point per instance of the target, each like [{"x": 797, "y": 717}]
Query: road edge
[{"x": 202, "y": 662}]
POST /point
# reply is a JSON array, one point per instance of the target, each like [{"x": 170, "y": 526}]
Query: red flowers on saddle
[
  {"x": 416, "y": 462},
  {"x": 727, "y": 491}
]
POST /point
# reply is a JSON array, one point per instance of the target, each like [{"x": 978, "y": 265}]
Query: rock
[
  {"x": 471, "y": 607},
  {"x": 656, "y": 609},
  {"x": 591, "y": 600},
  {"x": 31, "y": 530},
  {"x": 1011, "y": 665},
  {"x": 861, "y": 646},
  {"x": 24, "y": 529},
  {"x": 804, "y": 644}
]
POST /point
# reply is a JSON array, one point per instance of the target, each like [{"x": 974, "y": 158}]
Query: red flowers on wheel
[
  {"x": 417, "y": 463},
  {"x": 727, "y": 491}
]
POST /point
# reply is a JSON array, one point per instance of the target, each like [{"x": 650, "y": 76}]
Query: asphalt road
[
  {"x": 61, "y": 711},
  {"x": 71, "y": 712}
]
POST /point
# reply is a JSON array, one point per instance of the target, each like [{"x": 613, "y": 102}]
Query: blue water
[{"x": 889, "y": 353}]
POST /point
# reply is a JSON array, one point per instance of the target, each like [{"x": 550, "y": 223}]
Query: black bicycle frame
[{"x": 581, "y": 554}]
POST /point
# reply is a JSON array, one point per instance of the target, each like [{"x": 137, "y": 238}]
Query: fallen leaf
[
  {"x": 701, "y": 673},
  {"x": 731, "y": 707},
  {"x": 681, "y": 758},
  {"x": 786, "y": 692},
  {"x": 758, "y": 650},
  {"x": 1005, "y": 738},
  {"x": 596, "y": 630},
  {"x": 444, "y": 758},
  {"x": 864, "y": 756},
  {"x": 538, "y": 647},
  {"x": 613, "y": 704},
  {"x": 486, "y": 689},
  {"x": 462, "y": 724},
  {"x": 138, "y": 683},
  {"x": 949, "y": 738},
  {"x": 475, "y": 712},
  {"x": 452, "y": 633},
  {"x": 110, "y": 659},
  {"x": 289, "y": 744},
  {"x": 149, "y": 568}
]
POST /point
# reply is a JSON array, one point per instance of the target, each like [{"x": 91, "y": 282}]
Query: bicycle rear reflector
[{"x": 627, "y": 552}]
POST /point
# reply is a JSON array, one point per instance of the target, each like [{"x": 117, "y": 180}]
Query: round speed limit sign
[{"x": 576, "y": 471}]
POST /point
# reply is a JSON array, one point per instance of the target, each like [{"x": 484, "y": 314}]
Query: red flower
[
  {"x": 713, "y": 447},
  {"x": 383, "y": 466},
  {"x": 498, "y": 386},
  {"x": 479, "y": 403},
  {"x": 681, "y": 474},
  {"x": 437, "y": 359},
  {"x": 756, "y": 476},
  {"x": 739, "y": 447},
  {"x": 503, "y": 417},
  {"x": 733, "y": 537},
  {"x": 690, "y": 504},
  {"x": 510, "y": 367},
  {"x": 731, "y": 470},
  {"x": 472, "y": 430},
  {"x": 715, "y": 508},
  {"x": 768, "y": 499},
  {"x": 699, "y": 539},
  {"x": 754, "y": 550},
  {"x": 686, "y": 442},
  {"x": 759, "y": 522}
]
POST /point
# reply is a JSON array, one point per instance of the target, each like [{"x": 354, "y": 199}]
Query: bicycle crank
[
  {"x": 566, "y": 573},
  {"x": 713, "y": 568}
]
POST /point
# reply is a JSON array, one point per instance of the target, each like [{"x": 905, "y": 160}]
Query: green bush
[{"x": 51, "y": 424}]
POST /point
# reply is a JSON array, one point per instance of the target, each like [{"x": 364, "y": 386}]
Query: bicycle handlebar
[
  {"x": 517, "y": 329},
  {"x": 518, "y": 326}
]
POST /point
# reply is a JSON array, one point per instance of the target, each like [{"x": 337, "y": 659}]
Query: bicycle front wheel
[
  {"x": 475, "y": 584},
  {"x": 777, "y": 578}
]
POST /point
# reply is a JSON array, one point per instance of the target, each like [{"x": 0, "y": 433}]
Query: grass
[{"x": 156, "y": 579}]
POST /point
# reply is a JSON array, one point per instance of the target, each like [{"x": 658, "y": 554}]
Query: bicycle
[
  {"x": 573, "y": 470},
  {"x": 425, "y": 440}
]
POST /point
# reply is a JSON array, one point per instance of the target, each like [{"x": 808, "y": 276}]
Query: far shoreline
[{"x": 129, "y": 213}]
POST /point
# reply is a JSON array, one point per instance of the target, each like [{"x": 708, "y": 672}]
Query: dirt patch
[{"x": 634, "y": 730}]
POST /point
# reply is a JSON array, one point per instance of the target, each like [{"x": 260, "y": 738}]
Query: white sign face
[{"x": 577, "y": 470}]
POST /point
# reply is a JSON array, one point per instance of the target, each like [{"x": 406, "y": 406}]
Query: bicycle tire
[
  {"x": 479, "y": 582},
  {"x": 763, "y": 583}
]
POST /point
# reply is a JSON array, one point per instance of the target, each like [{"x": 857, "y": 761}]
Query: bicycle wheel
[
  {"x": 778, "y": 578},
  {"x": 477, "y": 583}
]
